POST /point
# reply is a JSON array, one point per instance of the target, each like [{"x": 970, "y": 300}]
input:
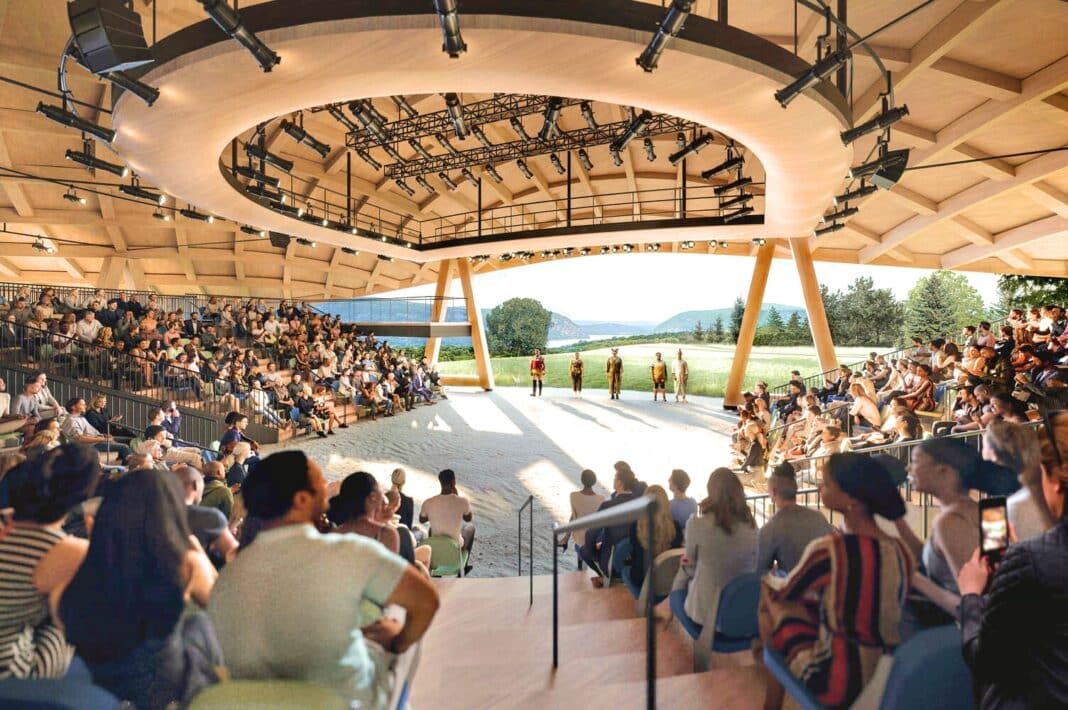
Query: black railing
[
  {"x": 528, "y": 505},
  {"x": 404, "y": 310},
  {"x": 621, "y": 514}
]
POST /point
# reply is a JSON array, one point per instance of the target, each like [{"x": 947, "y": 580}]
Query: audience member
[
  {"x": 665, "y": 535},
  {"x": 682, "y": 506},
  {"x": 216, "y": 493},
  {"x": 1015, "y": 447},
  {"x": 583, "y": 502},
  {"x": 596, "y": 548},
  {"x": 209, "y": 526},
  {"x": 783, "y": 538},
  {"x": 77, "y": 428},
  {"x": 449, "y": 513},
  {"x": 356, "y": 507}
]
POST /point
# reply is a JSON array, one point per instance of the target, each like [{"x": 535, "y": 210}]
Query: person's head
[
  {"x": 588, "y": 478},
  {"x": 1014, "y": 446},
  {"x": 192, "y": 482},
  {"x": 76, "y": 406},
  {"x": 796, "y": 387},
  {"x": 831, "y": 434},
  {"x": 679, "y": 481},
  {"x": 908, "y": 425},
  {"x": 856, "y": 390},
  {"x": 359, "y": 496},
  {"x": 447, "y": 479},
  {"x": 214, "y": 470},
  {"x": 99, "y": 402},
  {"x": 44, "y": 489},
  {"x": 982, "y": 393},
  {"x": 726, "y": 501},
  {"x": 391, "y": 506},
  {"x": 237, "y": 420},
  {"x": 658, "y": 356},
  {"x": 1051, "y": 488},
  {"x": 624, "y": 480},
  {"x": 663, "y": 523},
  {"x": 155, "y": 432},
  {"x": 943, "y": 467},
  {"x": 860, "y": 486},
  {"x": 286, "y": 488},
  {"x": 782, "y": 485}
]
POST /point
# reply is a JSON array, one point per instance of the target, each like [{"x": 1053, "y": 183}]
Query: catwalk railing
[
  {"x": 528, "y": 506},
  {"x": 415, "y": 309}
]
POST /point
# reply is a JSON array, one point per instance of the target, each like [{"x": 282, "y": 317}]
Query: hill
[
  {"x": 685, "y": 321},
  {"x": 563, "y": 328}
]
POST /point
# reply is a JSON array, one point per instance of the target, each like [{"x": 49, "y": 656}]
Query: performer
[
  {"x": 537, "y": 372},
  {"x": 680, "y": 371},
  {"x": 658, "y": 370},
  {"x": 614, "y": 368},
  {"x": 576, "y": 369}
]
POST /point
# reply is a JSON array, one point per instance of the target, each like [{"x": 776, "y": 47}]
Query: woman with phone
[{"x": 1014, "y": 615}]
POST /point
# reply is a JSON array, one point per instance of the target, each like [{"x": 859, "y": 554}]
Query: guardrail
[
  {"x": 528, "y": 505},
  {"x": 378, "y": 310}
]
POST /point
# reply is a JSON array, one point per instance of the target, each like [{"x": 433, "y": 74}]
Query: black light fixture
[
  {"x": 418, "y": 148},
  {"x": 392, "y": 152},
  {"x": 549, "y": 128},
  {"x": 456, "y": 114},
  {"x": 723, "y": 244},
  {"x": 256, "y": 175},
  {"x": 879, "y": 123},
  {"x": 669, "y": 27},
  {"x": 690, "y": 148},
  {"x": 739, "y": 213},
  {"x": 557, "y": 165},
  {"x": 584, "y": 158},
  {"x": 650, "y": 150},
  {"x": 300, "y": 135},
  {"x": 828, "y": 229},
  {"x": 733, "y": 185},
  {"x": 286, "y": 209},
  {"x": 135, "y": 190},
  {"x": 687, "y": 245},
  {"x": 885, "y": 170},
  {"x": 636, "y": 126},
  {"x": 405, "y": 186},
  {"x": 43, "y": 246},
  {"x": 66, "y": 118},
  {"x": 84, "y": 157},
  {"x": 759, "y": 242},
  {"x": 379, "y": 117},
  {"x": 403, "y": 105},
  {"x": 525, "y": 169},
  {"x": 425, "y": 185},
  {"x": 863, "y": 191},
  {"x": 230, "y": 22},
  {"x": 739, "y": 200},
  {"x": 454, "y": 44},
  {"x": 267, "y": 194},
  {"x": 617, "y": 159},
  {"x": 190, "y": 213},
  {"x": 844, "y": 213},
  {"x": 517, "y": 126},
  {"x": 729, "y": 164},
  {"x": 492, "y": 172},
  {"x": 587, "y": 113},
  {"x": 260, "y": 153},
  {"x": 261, "y": 233},
  {"x": 141, "y": 90},
  {"x": 366, "y": 157},
  {"x": 161, "y": 215},
  {"x": 469, "y": 176},
  {"x": 444, "y": 141},
  {"x": 680, "y": 140},
  {"x": 449, "y": 182},
  {"x": 349, "y": 250},
  {"x": 71, "y": 196},
  {"x": 481, "y": 136},
  {"x": 341, "y": 118},
  {"x": 585, "y": 251},
  {"x": 306, "y": 242},
  {"x": 819, "y": 71},
  {"x": 368, "y": 118}
]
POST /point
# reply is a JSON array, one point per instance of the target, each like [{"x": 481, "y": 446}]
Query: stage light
[
  {"x": 261, "y": 191},
  {"x": 68, "y": 119},
  {"x": 405, "y": 186},
  {"x": 41, "y": 245},
  {"x": 517, "y": 126},
  {"x": 819, "y": 71},
  {"x": 687, "y": 245},
  {"x": 392, "y": 152},
  {"x": 190, "y": 213},
  {"x": 258, "y": 153},
  {"x": 680, "y": 140},
  {"x": 477, "y": 130},
  {"x": 367, "y": 116},
  {"x": 418, "y": 148},
  {"x": 881, "y": 122},
  {"x": 557, "y": 165},
  {"x": 723, "y": 244},
  {"x": 256, "y": 175},
  {"x": 740, "y": 182},
  {"x": 425, "y": 185},
  {"x": 136, "y": 190},
  {"x": 143, "y": 91},
  {"x": 863, "y": 191},
  {"x": 492, "y": 172},
  {"x": 739, "y": 200},
  {"x": 300, "y": 135},
  {"x": 341, "y": 118},
  {"x": 885, "y": 170},
  {"x": 349, "y": 250},
  {"x": 444, "y": 141},
  {"x": 669, "y": 27},
  {"x": 525, "y": 169},
  {"x": 450, "y": 28},
  {"x": 366, "y": 157},
  {"x": 286, "y": 209},
  {"x": 306, "y": 242},
  {"x": 617, "y": 159},
  {"x": 71, "y": 196},
  {"x": 456, "y": 115},
  {"x": 552, "y": 115},
  {"x": 844, "y": 213},
  {"x": 379, "y": 117},
  {"x": 94, "y": 163},
  {"x": 637, "y": 126},
  {"x": 261, "y": 233},
  {"x": 587, "y": 113},
  {"x": 650, "y": 150},
  {"x": 444, "y": 177},
  {"x": 828, "y": 229},
  {"x": 737, "y": 214},
  {"x": 605, "y": 250},
  {"x": 403, "y": 105},
  {"x": 728, "y": 164},
  {"x": 692, "y": 147},
  {"x": 585, "y": 251},
  {"x": 759, "y": 242},
  {"x": 230, "y": 23},
  {"x": 161, "y": 216},
  {"x": 584, "y": 158},
  {"x": 469, "y": 176}
]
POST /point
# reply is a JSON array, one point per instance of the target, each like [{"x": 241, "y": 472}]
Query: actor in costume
[
  {"x": 658, "y": 370},
  {"x": 537, "y": 373},
  {"x": 576, "y": 369},
  {"x": 680, "y": 371},
  {"x": 614, "y": 368}
]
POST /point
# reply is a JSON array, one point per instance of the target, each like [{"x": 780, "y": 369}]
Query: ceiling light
[
  {"x": 265, "y": 193},
  {"x": 492, "y": 172},
  {"x": 161, "y": 216},
  {"x": 693, "y": 146},
  {"x": 286, "y": 209},
  {"x": 584, "y": 158},
  {"x": 517, "y": 126},
  {"x": 418, "y": 148},
  {"x": 819, "y": 71},
  {"x": 143, "y": 91},
  {"x": 450, "y": 27},
  {"x": 41, "y": 245},
  {"x": 136, "y": 190},
  {"x": 605, "y": 250},
  {"x": 261, "y": 233},
  {"x": 739, "y": 200},
  {"x": 524, "y": 168},
  {"x": 885, "y": 170},
  {"x": 669, "y": 27},
  {"x": 759, "y": 242},
  {"x": 425, "y": 185},
  {"x": 557, "y": 165},
  {"x": 341, "y": 118},
  {"x": 256, "y": 175},
  {"x": 723, "y": 244},
  {"x": 844, "y": 213},
  {"x": 737, "y": 214},
  {"x": 70, "y": 120},
  {"x": 549, "y": 128},
  {"x": 628, "y": 248},
  {"x": 444, "y": 141},
  {"x": 863, "y": 191},
  {"x": 449, "y": 183},
  {"x": 260, "y": 153},
  {"x": 728, "y": 164},
  {"x": 71, "y": 196},
  {"x": 350, "y": 251},
  {"x": 637, "y": 125},
  {"x": 379, "y": 117},
  {"x": 740, "y": 182},
  {"x": 881, "y": 122},
  {"x": 477, "y": 130},
  {"x": 470, "y": 176},
  {"x": 306, "y": 242},
  {"x": 230, "y": 23},
  {"x": 650, "y": 150},
  {"x": 367, "y": 116},
  {"x": 94, "y": 163},
  {"x": 828, "y": 229},
  {"x": 686, "y": 245},
  {"x": 456, "y": 114},
  {"x": 298, "y": 134},
  {"x": 405, "y": 186},
  {"x": 617, "y": 159},
  {"x": 587, "y": 113},
  {"x": 567, "y": 251},
  {"x": 308, "y": 216},
  {"x": 403, "y": 105},
  {"x": 392, "y": 152},
  {"x": 191, "y": 213},
  {"x": 366, "y": 157}
]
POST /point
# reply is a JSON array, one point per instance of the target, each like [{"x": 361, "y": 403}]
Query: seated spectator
[
  {"x": 665, "y": 535},
  {"x": 152, "y": 446},
  {"x": 209, "y": 526},
  {"x": 920, "y": 396},
  {"x": 102, "y": 420},
  {"x": 1015, "y": 447},
  {"x": 783, "y": 538},
  {"x": 682, "y": 506},
  {"x": 37, "y": 558},
  {"x": 235, "y": 433},
  {"x": 449, "y": 513},
  {"x": 864, "y": 410},
  {"x": 596, "y": 548},
  {"x": 123, "y": 610},
  {"x": 1014, "y": 617},
  {"x": 355, "y": 509},
  {"x": 830, "y": 644},
  {"x": 216, "y": 493},
  {"x": 583, "y": 502},
  {"x": 268, "y": 624},
  {"x": 78, "y": 429},
  {"x": 406, "y": 510},
  {"x": 236, "y": 464}
]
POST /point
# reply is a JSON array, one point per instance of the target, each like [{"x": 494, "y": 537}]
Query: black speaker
[
  {"x": 108, "y": 35},
  {"x": 893, "y": 168},
  {"x": 279, "y": 240}
]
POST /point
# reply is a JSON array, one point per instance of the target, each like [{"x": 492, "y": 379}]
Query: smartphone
[{"x": 993, "y": 527}]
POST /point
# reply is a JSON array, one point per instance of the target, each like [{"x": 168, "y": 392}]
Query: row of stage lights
[{"x": 613, "y": 249}]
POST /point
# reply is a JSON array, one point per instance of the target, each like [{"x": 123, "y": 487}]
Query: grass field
[{"x": 709, "y": 366}]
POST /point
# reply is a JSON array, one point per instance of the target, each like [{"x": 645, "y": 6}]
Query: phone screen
[{"x": 993, "y": 526}]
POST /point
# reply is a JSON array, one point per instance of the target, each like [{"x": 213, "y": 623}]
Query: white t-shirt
[
  {"x": 446, "y": 514},
  {"x": 582, "y": 504}
]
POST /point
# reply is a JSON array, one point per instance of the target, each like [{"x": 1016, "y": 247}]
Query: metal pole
[
  {"x": 519, "y": 544},
  {"x": 556, "y": 631},
  {"x": 841, "y": 42},
  {"x": 532, "y": 551},
  {"x": 348, "y": 187},
  {"x": 480, "y": 206},
  {"x": 569, "y": 188},
  {"x": 650, "y": 625},
  {"x": 683, "y": 214},
  {"x": 721, "y": 16}
]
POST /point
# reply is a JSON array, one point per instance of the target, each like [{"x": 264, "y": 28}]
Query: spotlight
[
  {"x": 306, "y": 242},
  {"x": 723, "y": 244},
  {"x": 680, "y": 140},
  {"x": 379, "y": 117},
  {"x": 286, "y": 209},
  {"x": 392, "y": 152},
  {"x": 637, "y": 125},
  {"x": 456, "y": 115},
  {"x": 261, "y": 191},
  {"x": 425, "y": 185},
  {"x": 525, "y": 169},
  {"x": 349, "y": 250},
  {"x": 469, "y": 176},
  {"x": 686, "y": 245},
  {"x": 617, "y": 159},
  {"x": 587, "y": 113},
  {"x": 492, "y": 172},
  {"x": 309, "y": 216},
  {"x": 444, "y": 141},
  {"x": 552, "y": 115},
  {"x": 124, "y": 81},
  {"x": 828, "y": 229},
  {"x": 161, "y": 216},
  {"x": 136, "y": 190},
  {"x": 693, "y": 146},
  {"x": 341, "y": 118},
  {"x": 605, "y": 250},
  {"x": 261, "y": 233},
  {"x": 256, "y": 175},
  {"x": 366, "y": 157},
  {"x": 585, "y": 251},
  {"x": 650, "y": 150},
  {"x": 740, "y": 182},
  {"x": 190, "y": 213},
  {"x": 863, "y": 191},
  {"x": 738, "y": 214},
  {"x": 41, "y": 245},
  {"x": 71, "y": 196},
  {"x": 728, "y": 164},
  {"x": 298, "y": 134},
  {"x": 567, "y": 251},
  {"x": 444, "y": 177},
  {"x": 68, "y": 119},
  {"x": 403, "y": 105},
  {"x": 584, "y": 158},
  {"x": 669, "y": 27},
  {"x": 450, "y": 27},
  {"x": 268, "y": 157},
  {"x": 230, "y": 23},
  {"x": 557, "y": 165},
  {"x": 477, "y": 130},
  {"x": 844, "y": 213},
  {"x": 517, "y": 126},
  {"x": 739, "y": 200},
  {"x": 406, "y": 187},
  {"x": 881, "y": 122},
  {"x": 94, "y": 163},
  {"x": 418, "y": 148},
  {"x": 368, "y": 118},
  {"x": 819, "y": 71},
  {"x": 759, "y": 242},
  {"x": 885, "y": 170}
]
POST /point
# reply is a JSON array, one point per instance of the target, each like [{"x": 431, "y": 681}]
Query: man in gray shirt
[{"x": 784, "y": 538}]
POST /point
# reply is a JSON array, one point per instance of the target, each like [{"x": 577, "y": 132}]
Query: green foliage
[
  {"x": 1026, "y": 291},
  {"x": 941, "y": 304},
  {"x": 797, "y": 331},
  {"x": 716, "y": 334},
  {"x": 774, "y": 319},
  {"x": 698, "y": 332},
  {"x": 517, "y": 326},
  {"x": 737, "y": 314}
]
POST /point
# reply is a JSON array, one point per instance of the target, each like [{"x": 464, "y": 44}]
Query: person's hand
[
  {"x": 974, "y": 574},
  {"x": 383, "y": 632}
]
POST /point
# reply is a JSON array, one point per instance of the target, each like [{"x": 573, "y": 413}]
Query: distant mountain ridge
[{"x": 687, "y": 320}]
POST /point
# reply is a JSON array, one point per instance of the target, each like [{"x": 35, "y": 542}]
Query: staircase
[{"x": 487, "y": 648}]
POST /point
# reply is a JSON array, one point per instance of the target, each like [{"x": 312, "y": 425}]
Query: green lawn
[{"x": 709, "y": 366}]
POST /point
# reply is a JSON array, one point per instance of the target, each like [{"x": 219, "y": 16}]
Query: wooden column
[
  {"x": 817, "y": 317},
  {"x": 478, "y": 331},
  {"x": 437, "y": 311},
  {"x": 732, "y": 397},
  {"x": 111, "y": 272}
]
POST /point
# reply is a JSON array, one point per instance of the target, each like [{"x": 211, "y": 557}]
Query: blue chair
[
  {"x": 618, "y": 566},
  {"x": 55, "y": 694},
  {"x": 736, "y": 616},
  {"x": 677, "y": 600}
]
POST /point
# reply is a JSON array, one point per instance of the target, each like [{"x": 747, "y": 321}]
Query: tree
[
  {"x": 869, "y": 316},
  {"x": 796, "y": 331},
  {"x": 941, "y": 304},
  {"x": 834, "y": 307},
  {"x": 1018, "y": 291},
  {"x": 715, "y": 335},
  {"x": 698, "y": 332},
  {"x": 737, "y": 313},
  {"x": 517, "y": 326},
  {"x": 774, "y": 317}
]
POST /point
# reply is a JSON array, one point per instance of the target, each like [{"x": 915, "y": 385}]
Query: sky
[{"x": 653, "y": 287}]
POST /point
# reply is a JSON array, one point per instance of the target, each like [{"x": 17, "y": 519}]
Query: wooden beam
[
  {"x": 732, "y": 396},
  {"x": 993, "y": 168},
  {"x": 1010, "y": 239},
  {"x": 1048, "y": 196},
  {"x": 9, "y": 269},
  {"x": 182, "y": 240},
  {"x": 971, "y": 231},
  {"x": 478, "y": 329},
  {"x": 437, "y": 309},
  {"x": 1054, "y": 108},
  {"x": 111, "y": 271},
  {"x": 977, "y": 80},
  {"x": 15, "y": 193},
  {"x": 913, "y": 200},
  {"x": 817, "y": 316}
]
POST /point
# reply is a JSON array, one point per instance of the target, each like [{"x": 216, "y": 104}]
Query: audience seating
[
  {"x": 267, "y": 695},
  {"x": 447, "y": 558},
  {"x": 658, "y": 584},
  {"x": 71, "y": 693},
  {"x": 736, "y": 617}
]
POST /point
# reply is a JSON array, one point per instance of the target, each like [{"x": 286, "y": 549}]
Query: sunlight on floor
[{"x": 483, "y": 415}]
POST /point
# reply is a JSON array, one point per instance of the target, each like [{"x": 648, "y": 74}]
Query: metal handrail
[
  {"x": 621, "y": 514},
  {"x": 529, "y": 504}
]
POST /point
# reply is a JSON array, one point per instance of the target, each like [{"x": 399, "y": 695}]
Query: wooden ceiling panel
[
  {"x": 1006, "y": 212},
  {"x": 1026, "y": 36},
  {"x": 936, "y": 100}
]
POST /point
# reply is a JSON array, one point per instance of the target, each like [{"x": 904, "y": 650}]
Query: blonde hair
[
  {"x": 663, "y": 523},
  {"x": 1053, "y": 465},
  {"x": 242, "y": 450},
  {"x": 398, "y": 478},
  {"x": 98, "y": 400}
]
